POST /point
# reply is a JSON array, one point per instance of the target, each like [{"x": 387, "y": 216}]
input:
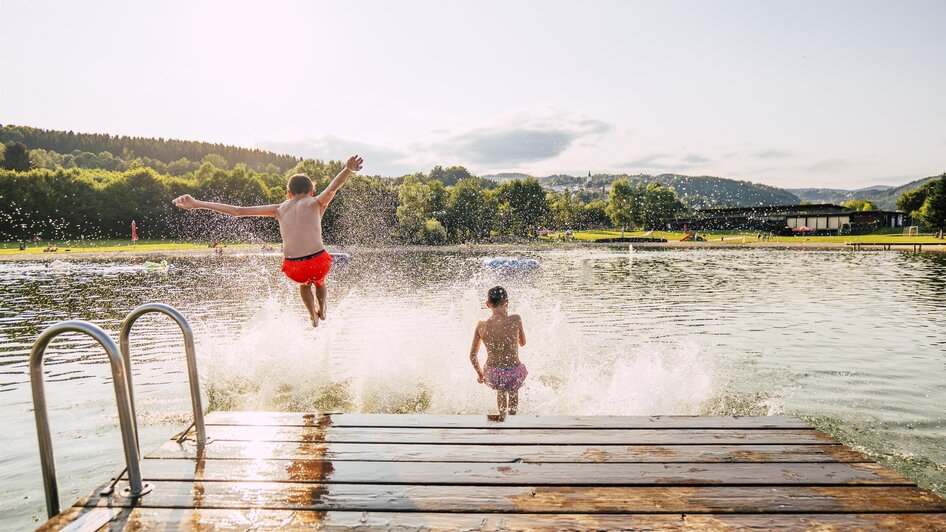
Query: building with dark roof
[{"x": 823, "y": 218}]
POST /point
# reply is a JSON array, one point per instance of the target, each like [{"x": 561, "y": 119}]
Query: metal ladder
[
  {"x": 123, "y": 341},
  {"x": 120, "y": 362}
]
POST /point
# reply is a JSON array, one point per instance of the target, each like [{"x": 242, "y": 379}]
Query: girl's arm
[
  {"x": 522, "y": 332},
  {"x": 474, "y": 349}
]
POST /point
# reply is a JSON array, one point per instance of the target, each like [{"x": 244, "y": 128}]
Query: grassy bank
[
  {"x": 739, "y": 237},
  {"x": 9, "y": 250},
  {"x": 103, "y": 246}
]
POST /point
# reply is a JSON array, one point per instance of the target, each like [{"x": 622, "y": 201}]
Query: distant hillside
[
  {"x": 696, "y": 191},
  {"x": 823, "y": 195},
  {"x": 166, "y": 151},
  {"x": 506, "y": 176},
  {"x": 884, "y": 196}
]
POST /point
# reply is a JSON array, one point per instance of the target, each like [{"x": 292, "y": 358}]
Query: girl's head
[{"x": 497, "y": 297}]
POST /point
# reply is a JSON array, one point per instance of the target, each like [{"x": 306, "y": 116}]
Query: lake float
[
  {"x": 162, "y": 266},
  {"x": 340, "y": 258},
  {"x": 510, "y": 264}
]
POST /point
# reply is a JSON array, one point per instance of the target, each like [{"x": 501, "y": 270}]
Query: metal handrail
[
  {"x": 123, "y": 341},
  {"x": 126, "y": 421}
]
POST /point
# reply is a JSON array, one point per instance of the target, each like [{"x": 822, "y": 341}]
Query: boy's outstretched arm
[
  {"x": 474, "y": 349},
  {"x": 187, "y": 202},
  {"x": 353, "y": 165}
]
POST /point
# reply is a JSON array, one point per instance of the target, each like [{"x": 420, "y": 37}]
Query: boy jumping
[
  {"x": 300, "y": 224},
  {"x": 503, "y": 335}
]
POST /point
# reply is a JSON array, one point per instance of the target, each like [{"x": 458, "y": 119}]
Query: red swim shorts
[{"x": 310, "y": 269}]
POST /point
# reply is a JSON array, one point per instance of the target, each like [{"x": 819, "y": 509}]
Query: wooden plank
[
  {"x": 471, "y": 421},
  {"x": 537, "y": 499},
  {"x": 516, "y": 436},
  {"x": 469, "y": 473},
  {"x": 189, "y": 519},
  {"x": 224, "y": 449}
]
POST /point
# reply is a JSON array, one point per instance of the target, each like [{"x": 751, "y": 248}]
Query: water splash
[{"x": 380, "y": 351}]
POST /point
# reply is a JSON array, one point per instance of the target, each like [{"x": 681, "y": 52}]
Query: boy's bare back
[
  {"x": 300, "y": 224},
  {"x": 502, "y": 335}
]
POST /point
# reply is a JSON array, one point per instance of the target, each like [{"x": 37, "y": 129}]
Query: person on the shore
[
  {"x": 300, "y": 224},
  {"x": 503, "y": 335}
]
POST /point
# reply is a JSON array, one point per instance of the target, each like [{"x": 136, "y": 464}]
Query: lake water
[{"x": 855, "y": 342}]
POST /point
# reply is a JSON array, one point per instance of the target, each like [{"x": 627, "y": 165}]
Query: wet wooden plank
[
  {"x": 468, "y": 473},
  {"x": 223, "y": 449},
  {"x": 299, "y": 470},
  {"x": 189, "y": 519},
  {"x": 480, "y": 421},
  {"x": 516, "y": 436},
  {"x": 539, "y": 499}
]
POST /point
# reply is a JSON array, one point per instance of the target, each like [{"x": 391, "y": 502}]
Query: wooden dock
[
  {"x": 887, "y": 246},
  {"x": 293, "y": 470}
]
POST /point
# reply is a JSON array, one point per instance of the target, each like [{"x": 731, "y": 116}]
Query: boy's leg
[
  {"x": 320, "y": 293},
  {"x": 309, "y": 301},
  {"x": 513, "y": 402}
]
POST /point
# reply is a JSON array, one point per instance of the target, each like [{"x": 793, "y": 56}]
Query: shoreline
[{"x": 241, "y": 249}]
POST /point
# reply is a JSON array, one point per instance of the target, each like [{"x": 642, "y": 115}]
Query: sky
[{"x": 838, "y": 94}]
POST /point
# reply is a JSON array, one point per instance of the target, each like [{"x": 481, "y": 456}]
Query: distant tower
[{"x": 589, "y": 173}]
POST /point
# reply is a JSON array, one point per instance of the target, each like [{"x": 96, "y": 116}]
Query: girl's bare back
[{"x": 500, "y": 335}]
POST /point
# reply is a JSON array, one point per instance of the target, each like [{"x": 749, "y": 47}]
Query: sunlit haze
[{"x": 838, "y": 94}]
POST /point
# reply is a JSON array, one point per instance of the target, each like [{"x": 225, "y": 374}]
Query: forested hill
[
  {"x": 883, "y": 197},
  {"x": 165, "y": 151},
  {"x": 696, "y": 191}
]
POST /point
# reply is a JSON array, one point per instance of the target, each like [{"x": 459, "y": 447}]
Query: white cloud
[
  {"x": 531, "y": 136},
  {"x": 537, "y": 135}
]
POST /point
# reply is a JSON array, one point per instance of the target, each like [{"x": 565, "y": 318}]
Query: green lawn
[
  {"x": 738, "y": 237},
  {"x": 594, "y": 234},
  {"x": 730, "y": 237},
  {"x": 97, "y": 246}
]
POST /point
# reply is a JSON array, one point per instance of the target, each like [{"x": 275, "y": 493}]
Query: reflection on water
[{"x": 854, "y": 341}]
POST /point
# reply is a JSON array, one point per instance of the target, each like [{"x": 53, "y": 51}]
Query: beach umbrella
[
  {"x": 802, "y": 229},
  {"x": 134, "y": 231}
]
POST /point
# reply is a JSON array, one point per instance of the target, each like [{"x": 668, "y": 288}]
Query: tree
[
  {"x": 433, "y": 233},
  {"x": 146, "y": 149},
  {"x": 449, "y": 176},
  {"x": 567, "y": 210},
  {"x": 525, "y": 203},
  {"x": 180, "y": 166},
  {"x": 44, "y": 159},
  {"x": 438, "y": 200},
  {"x": 933, "y": 211},
  {"x": 594, "y": 215},
  {"x": 215, "y": 159},
  {"x": 362, "y": 212},
  {"x": 470, "y": 211},
  {"x": 659, "y": 204},
  {"x": 860, "y": 205},
  {"x": 16, "y": 157},
  {"x": 413, "y": 209},
  {"x": 912, "y": 201},
  {"x": 622, "y": 204}
]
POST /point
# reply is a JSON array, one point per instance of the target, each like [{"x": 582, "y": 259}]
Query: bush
[{"x": 432, "y": 233}]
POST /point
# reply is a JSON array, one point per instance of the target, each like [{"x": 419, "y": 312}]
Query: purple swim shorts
[{"x": 506, "y": 379}]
